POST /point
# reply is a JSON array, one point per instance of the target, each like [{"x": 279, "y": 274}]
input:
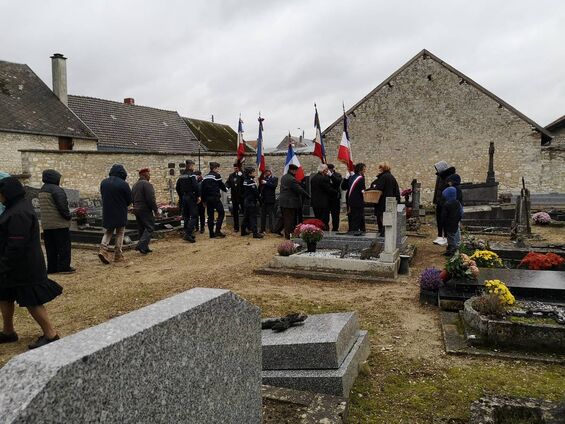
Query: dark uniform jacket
[
  {"x": 21, "y": 257},
  {"x": 336, "y": 180},
  {"x": 53, "y": 202},
  {"x": 211, "y": 186},
  {"x": 321, "y": 191},
  {"x": 291, "y": 192},
  {"x": 235, "y": 184},
  {"x": 187, "y": 187},
  {"x": 268, "y": 190},
  {"x": 355, "y": 188},
  {"x": 116, "y": 197},
  {"x": 387, "y": 184},
  {"x": 143, "y": 194},
  {"x": 250, "y": 192}
]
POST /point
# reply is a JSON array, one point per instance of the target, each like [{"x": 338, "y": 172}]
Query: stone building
[
  {"x": 428, "y": 111},
  {"x": 557, "y": 129},
  {"x": 34, "y": 117}
]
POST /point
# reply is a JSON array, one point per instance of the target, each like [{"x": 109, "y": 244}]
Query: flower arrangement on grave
[
  {"x": 430, "y": 279},
  {"x": 486, "y": 259},
  {"x": 82, "y": 215},
  {"x": 541, "y": 218},
  {"x": 461, "y": 267},
  {"x": 541, "y": 261},
  {"x": 286, "y": 248},
  {"x": 168, "y": 209},
  {"x": 316, "y": 222},
  {"x": 499, "y": 289},
  {"x": 310, "y": 234},
  {"x": 470, "y": 243},
  {"x": 406, "y": 194}
]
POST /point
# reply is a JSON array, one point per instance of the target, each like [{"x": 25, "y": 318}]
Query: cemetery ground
[{"x": 408, "y": 379}]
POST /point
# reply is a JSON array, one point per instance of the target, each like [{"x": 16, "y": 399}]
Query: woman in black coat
[
  {"x": 23, "y": 275},
  {"x": 387, "y": 186}
]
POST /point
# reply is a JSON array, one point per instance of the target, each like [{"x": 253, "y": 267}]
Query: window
[{"x": 65, "y": 143}]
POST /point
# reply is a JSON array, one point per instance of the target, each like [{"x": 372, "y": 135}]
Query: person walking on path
[
  {"x": 212, "y": 184},
  {"x": 188, "y": 191},
  {"x": 116, "y": 197},
  {"x": 145, "y": 210},
  {"x": 443, "y": 171},
  {"x": 23, "y": 275},
  {"x": 56, "y": 221},
  {"x": 335, "y": 202},
  {"x": 322, "y": 192},
  {"x": 235, "y": 184},
  {"x": 355, "y": 201},
  {"x": 250, "y": 199},
  {"x": 267, "y": 189},
  {"x": 290, "y": 199},
  {"x": 386, "y": 186}
]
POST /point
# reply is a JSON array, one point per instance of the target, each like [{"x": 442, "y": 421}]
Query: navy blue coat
[{"x": 116, "y": 197}]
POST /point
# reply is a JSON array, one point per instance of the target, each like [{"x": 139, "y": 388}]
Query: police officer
[
  {"x": 201, "y": 222},
  {"x": 250, "y": 199},
  {"x": 212, "y": 184},
  {"x": 235, "y": 184},
  {"x": 189, "y": 195}
]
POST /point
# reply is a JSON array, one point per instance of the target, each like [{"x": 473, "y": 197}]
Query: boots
[
  {"x": 104, "y": 255},
  {"x": 118, "y": 257}
]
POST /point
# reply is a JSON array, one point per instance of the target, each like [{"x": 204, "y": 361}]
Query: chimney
[
  {"x": 129, "y": 101},
  {"x": 59, "y": 72}
]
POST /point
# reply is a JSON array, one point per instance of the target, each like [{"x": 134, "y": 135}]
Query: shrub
[
  {"x": 315, "y": 222},
  {"x": 541, "y": 218},
  {"x": 286, "y": 248},
  {"x": 430, "y": 279},
  {"x": 541, "y": 261},
  {"x": 486, "y": 259},
  {"x": 489, "y": 305},
  {"x": 499, "y": 289}
]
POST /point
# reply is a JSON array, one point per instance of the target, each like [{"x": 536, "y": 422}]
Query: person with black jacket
[
  {"x": 355, "y": 200},
  {"x": 145, "y": 210},
  {"x": 267, "y": 191},
  {"x": 451, "y": 214},
  {"x": 116, "y": 197},
  {"x": 56, "y": 221},
  {"x": 250, "y": 199},
  {"x": 443, "y": 171},
  {"x": 201, "y": 221},
  {"x": 290, "y": 199},
  {"x": 454, "y": 180},
  {"x": 23, "y": 275},
  {"x": 212, "y": 184},
  {"x": 335, "y": 201},
  {"x": 322, "y": 192},
  {"x": 235, "y": 184},
  {"x": 386, "y": 186},
  {"x": 188, "y": 191}
]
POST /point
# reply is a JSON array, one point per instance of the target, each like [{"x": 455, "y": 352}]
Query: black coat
[
  {"x": 451, "y": 214},
  {"x": 336, "y": 180},
  {"x": 116, "y": 197},
  {"x": 268, "y": 190},
  {"x": 387, "y": 184},
  {"x": 441, "y": 184},
  {"x": 250, "y": 192},
  {"x": 21, "y": 258},
  {"x": 321, "y": 191},
  {"x": 211, "y": 186},
  {"x": 187, "y": 187},
  {"x": 355, "y": 188},
  {"x": 291, "y": 192},
  {"x": 235, "y": 184}
]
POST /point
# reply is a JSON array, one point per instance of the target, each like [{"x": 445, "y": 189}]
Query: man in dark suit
[
  {"x": 290, "y": 199},
  {"x": 335, "y": 201},
  {"x": 355, "y": 201},
  {"x": 322, "y": 192}
]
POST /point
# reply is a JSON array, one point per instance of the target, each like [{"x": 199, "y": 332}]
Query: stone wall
[
  {"x": 11, "y": 143},
  {"x": 427, "y": 114},
  {"x": 83, "y": 170},
  {"x": 192, "y": 358},
  {"x": 552, "y": 178}
]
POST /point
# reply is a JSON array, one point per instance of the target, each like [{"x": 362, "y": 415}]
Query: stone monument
[{"x": 390, "y": 216}]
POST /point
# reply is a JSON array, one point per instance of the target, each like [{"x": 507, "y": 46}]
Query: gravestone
[
  {"x": 192, "y": 358},
  {"x": 390, "y": 218}
]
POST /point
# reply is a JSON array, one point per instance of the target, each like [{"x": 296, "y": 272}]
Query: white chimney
[{"x": 59, "y": 73}]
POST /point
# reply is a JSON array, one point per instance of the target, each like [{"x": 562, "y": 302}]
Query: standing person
[
  {"x": 145, "y": 209},
  {"x": 235, "y": 184},
  {"x": 250, "y": 199},
  {"x": 212, "y": 184},
  {"x": 451, "y": 214},
  {"x": 356, "y": 203},
  {"x": 23, "y": 275},
  {"x": 443, "y": 171},
  {"x": 56, "y": 221},
  {"x": 116, "y": 197},
  {"x": 2, "y": 176},
  {"x": 189, "y": 195},
  {"x": 201, "y": 221},
  {"x": 386, "y": 186},
  {"x": 454, "y": 180},
  {"x": 322, "y": 192},
  {"x": 335, "y": 201},
  {"x": 267, "y": 189},
  {"x": 290, "y": 199}
]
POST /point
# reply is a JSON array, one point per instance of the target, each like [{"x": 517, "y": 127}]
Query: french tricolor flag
[
  {"x": 291, "y": 158},
  {"x": 344, "y": 152},
  {"x": 260, "y": 154},
  {"x": 240, "y": 142}
]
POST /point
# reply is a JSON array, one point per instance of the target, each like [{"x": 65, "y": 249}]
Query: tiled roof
[
  {"x": 215, "y": 137},
  {"x": 126, "y": 127},
  {"x": 557, "y": 124},
  {"x": 27, "y": 105},
  {"x": 300, "y": 145}
]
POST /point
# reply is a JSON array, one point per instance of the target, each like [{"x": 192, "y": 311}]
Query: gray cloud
[{"x": 226, "y": 57}]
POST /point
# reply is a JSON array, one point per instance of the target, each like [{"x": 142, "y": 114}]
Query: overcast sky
[{"x": 225, "y": 57}]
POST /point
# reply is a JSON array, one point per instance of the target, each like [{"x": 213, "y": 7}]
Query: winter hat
[
  {"x": 441, "y": 166},
  {"x": 50, "y": 176},
  {"x": 11, "y": 188},
  {"x": 455, "y": 179},
  {"x": 450, "y": 193}
]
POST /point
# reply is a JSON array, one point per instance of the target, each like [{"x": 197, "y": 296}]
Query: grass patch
[{"x": 532, "y": 320}]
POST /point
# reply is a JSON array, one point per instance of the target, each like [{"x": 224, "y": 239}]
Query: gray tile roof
[
  {"x": 125, "y": 127},
  {"x": 27, "y": 105},
  {"x": 557, "y": 124}
]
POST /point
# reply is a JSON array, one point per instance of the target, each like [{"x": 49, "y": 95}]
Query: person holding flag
[
  {"x": 319, "y": 149},
  {"x": 240, "y": 143},
  {"x": 291, "y": 193},
  {"x": 260, "y": 154}
]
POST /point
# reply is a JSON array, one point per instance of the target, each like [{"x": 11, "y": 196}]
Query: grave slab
[
  {"x": 322, "y": 342},
  {"x": 528, "y": 284},
  {"x": 333, "y": 382},
  {"x": 191, "y": 358}
]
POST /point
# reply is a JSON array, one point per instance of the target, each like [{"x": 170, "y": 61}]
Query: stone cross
[
  {"x": 490, "y": 174},
  {"x": 416, "y": 187},
  {"x": 390, "y": 217}
]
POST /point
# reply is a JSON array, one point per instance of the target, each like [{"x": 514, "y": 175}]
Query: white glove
[{"x": 239, "y": 173}]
